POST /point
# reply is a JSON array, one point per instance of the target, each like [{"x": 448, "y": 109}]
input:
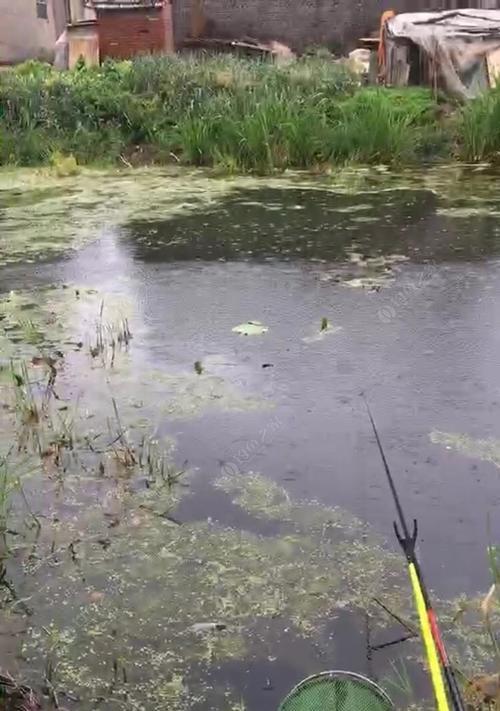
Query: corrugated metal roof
[{"x": 125, "y": 4}]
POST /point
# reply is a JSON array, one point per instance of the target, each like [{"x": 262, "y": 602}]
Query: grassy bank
[{"x": 234, "y": 114}]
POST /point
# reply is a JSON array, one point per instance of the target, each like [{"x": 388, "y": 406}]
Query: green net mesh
[{"x": 337, "y": 691}]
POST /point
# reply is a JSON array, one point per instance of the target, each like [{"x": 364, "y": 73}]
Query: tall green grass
[
  {"x": 227, "y": 112},
  {"x": 479, "y": 128}
]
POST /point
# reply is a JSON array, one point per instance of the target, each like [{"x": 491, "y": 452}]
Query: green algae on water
[
  {"x": 73, "y": 211},
  {"x": 486, "y": 449},
  {"x": 467, "y": 635},
  {"x": 157, "y": 580},
  {"x": 265, "y": 499},
  {"x": 67, "y": 213}
]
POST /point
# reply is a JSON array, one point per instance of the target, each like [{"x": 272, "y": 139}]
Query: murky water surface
[{"x": 165, "y": 472}]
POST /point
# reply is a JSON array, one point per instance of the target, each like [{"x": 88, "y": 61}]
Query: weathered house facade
[
  {"x": 29, "y": 28},
  {"x": 96, "y": 29},
  {"x": 130, "y": 27},
  {"x": 123, "y": 28}
]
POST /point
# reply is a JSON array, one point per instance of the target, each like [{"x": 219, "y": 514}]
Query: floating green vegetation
[
  {"x": 141, "y": 614},
  {"x": 70, "y": 212},
  {"x": 466, "y": 212},
  {"x": 486, "y": 449},
  {"x": 190, "y": 395},
  {"x": 467, "y": 631},
  {"x": 162, "y": 597},
  {"x": 265, "y": 499},
  {"x": 64, "y": 166},
  {"x": 250, "y": 328}
]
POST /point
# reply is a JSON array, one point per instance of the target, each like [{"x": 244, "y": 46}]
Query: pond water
[{"x": 164, "y": 472}]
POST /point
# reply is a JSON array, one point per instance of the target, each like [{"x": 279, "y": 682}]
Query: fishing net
[{"x": 337, "y": 691}]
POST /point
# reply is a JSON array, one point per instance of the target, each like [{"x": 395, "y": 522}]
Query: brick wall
[
  {"x": 301, "y": 23},
  {"x": 125, "y": 33}
]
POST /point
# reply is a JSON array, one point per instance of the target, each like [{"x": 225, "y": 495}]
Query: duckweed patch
[
  {"x": 468, "y": 636},
  {"x": 265, "y": 499},
  {"x": 486, "y": 449},
  {"x": 70, "y": 212},
  {"x": 115, "y": 577},
  {"x": 131, "y": 610},
  {"x": 73, "y": 211},
  {"x": 158, "y": 581}
]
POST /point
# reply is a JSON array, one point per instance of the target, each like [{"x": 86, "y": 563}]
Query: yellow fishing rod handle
[{"x": 430, "y": 647}]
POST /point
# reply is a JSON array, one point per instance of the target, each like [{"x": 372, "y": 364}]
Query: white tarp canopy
[{"x": 458, "y": 41}]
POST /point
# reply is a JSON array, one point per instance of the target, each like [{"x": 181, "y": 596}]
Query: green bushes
[{"x": 235, "y": 114}]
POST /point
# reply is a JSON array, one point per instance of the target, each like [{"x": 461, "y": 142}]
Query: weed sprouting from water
[
  {"x": 156, "y": 462},
  {"x": 40, "y": 428},
  {"x": 60, "y": 441},
  {"x": 124, "y": 335},
  {"x": 26, "y": 404},
  {"x": 10, "y": 486},
  {"x": 120, "y": 445},
  {"x": 108, "y": 337},
  {"x": 97, "y": 348},
  {"x": 398, "y": 681},
  {"x": 5, "y": 491},
  {"x": 31, "y": 334},
  {"x": 198, "y": 367},
  {"x": 54, "y": 641}
]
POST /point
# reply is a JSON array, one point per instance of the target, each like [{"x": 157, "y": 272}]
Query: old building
[
  {"x": 120, "y": 29},
  {"x": 129, "y": 27},
  {"x": 29, "y": 29}
]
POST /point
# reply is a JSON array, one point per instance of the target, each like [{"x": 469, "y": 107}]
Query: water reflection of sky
[{"x": 430, "y": 365}]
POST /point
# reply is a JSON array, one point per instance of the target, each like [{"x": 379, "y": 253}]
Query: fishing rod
[{"x": 433, "y": 642}]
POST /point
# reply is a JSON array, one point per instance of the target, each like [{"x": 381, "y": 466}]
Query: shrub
[{"x": 250, "y": 115}]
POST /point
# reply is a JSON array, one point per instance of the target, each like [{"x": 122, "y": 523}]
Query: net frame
[{"x": 339, "y": 675}]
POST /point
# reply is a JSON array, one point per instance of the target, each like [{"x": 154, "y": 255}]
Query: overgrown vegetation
[
  {"x": 233, "y": 114},
  {"x": 480, "y": 128}
]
